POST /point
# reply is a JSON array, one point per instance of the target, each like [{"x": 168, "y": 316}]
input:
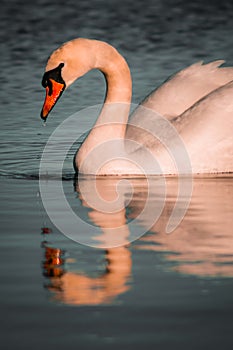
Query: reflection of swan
[
  {"x": 202, "y": 244},
  {"x": 198, "y": 100},
  {"x": 77, "y": 288},
  {"x": 105, "y": 199}
]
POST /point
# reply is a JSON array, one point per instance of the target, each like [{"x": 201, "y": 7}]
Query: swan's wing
[
  {"x": 186, "y": 87},
  {"x": 207, "y": 131},
  {"x": 175, "y": 96}
]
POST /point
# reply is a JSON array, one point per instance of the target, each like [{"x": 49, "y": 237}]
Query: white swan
[{"x": 197, "y": 100}]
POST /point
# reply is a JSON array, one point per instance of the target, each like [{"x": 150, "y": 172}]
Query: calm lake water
[{"x": 160, "y": 290}]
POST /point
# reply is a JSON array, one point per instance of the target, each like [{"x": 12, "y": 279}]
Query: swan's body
[{"x": 198, "y": 101}]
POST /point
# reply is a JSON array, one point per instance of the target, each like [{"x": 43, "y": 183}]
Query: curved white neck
[{"x": 112, "y": 121}]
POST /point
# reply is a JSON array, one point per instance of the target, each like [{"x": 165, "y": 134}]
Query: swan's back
[{"x": 185, "y": 88}]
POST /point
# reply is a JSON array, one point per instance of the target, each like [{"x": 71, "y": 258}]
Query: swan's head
[{"x": 69, "y": 62}]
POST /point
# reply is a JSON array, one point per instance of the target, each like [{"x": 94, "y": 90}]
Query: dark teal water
[{"x": 160, "y": 291}]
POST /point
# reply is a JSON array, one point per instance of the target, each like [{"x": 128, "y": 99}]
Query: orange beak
[{"x": 53, "y": 92}]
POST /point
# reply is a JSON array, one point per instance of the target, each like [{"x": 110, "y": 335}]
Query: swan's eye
[
  {"x": 47, "y": 83},
  {"x": 50, "y": 86},
  {"x": 44, "y": 83}
]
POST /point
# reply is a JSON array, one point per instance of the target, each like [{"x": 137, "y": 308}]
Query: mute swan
[{"x": 197, "y": 102}]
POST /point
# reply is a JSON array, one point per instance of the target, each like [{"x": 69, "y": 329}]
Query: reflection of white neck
[
  {"x": 105, "y": 197},
  {"x": 112, "y": 121}
]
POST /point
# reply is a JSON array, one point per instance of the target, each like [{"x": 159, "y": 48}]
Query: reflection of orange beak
[{"x": 53, "y": 92}]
